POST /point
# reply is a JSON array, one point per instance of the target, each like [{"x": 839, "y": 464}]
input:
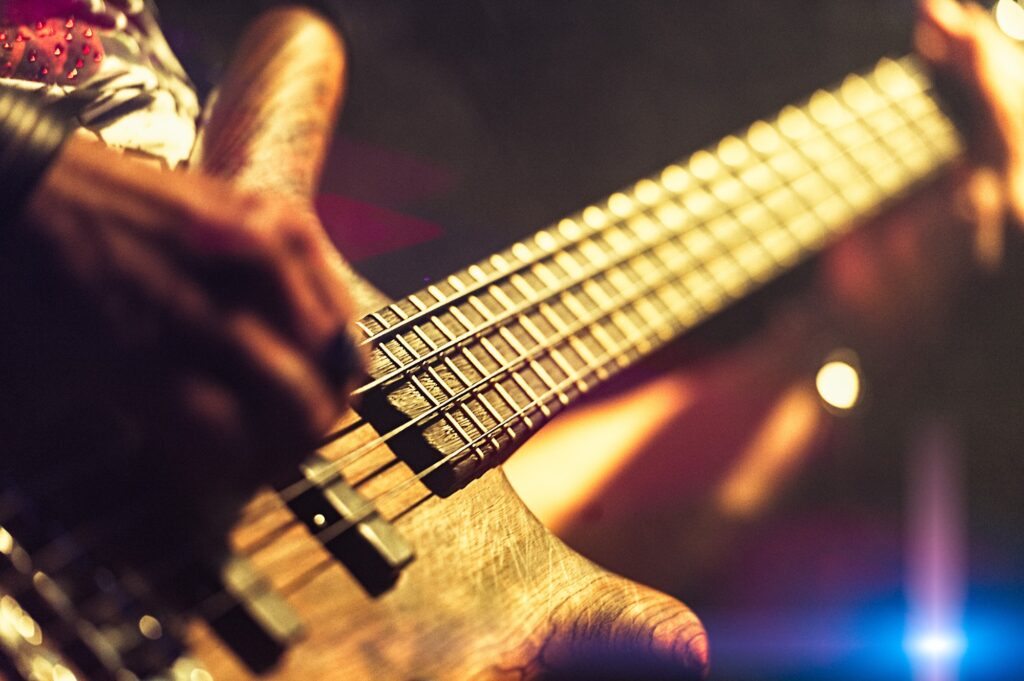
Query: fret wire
[
  {"x": 695, "y": 260},
  {"x": 466, "y": 406},
  {"x": 606, "y": 363},
  {"x": 576, "y": 378},
  {"x": 501, "y": 374},
  {"x": 447, "y": 415},
  {"x": 582, "y": 355},
  {"x": 912, "y": 122},
  {"x": 753, "y": 240},
  {"x": 880, "y": 138},
  {"x": 839, "y": 191},
  {"x": 531, "y": 329},
  {"x": 511, "y": 364},
  {"x": 533, "y": 364},
  {"x": 479, "y": 368},
  {"x": 607, "y": 360},
  {"x": 390, "y": 356},
  {"x": 462, "y": 290},
  {"x": 539, "y": 266}
]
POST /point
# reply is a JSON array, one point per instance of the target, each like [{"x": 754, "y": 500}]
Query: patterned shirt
[{"x": 109, "y": 61}]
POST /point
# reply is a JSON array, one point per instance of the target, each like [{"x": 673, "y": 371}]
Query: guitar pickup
[
  {"x": 244, "y": 610},
  {"x": 350, "y": 528}
]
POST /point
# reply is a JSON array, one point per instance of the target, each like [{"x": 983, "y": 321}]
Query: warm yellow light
[
  {"x": 763, "y": 137},
  {"x": 620, "y": 204},
  {"x": 838, "y": 384},
  {"x": 703, "y": 165},
  {"x": 675, "y": 178},
  {"x": 1010, "y": 17},
  {"x": 594, "y": 217},
  {"x": 6, "y": 542},
  {"x": 151, "y": 628},
  {"x": 647, "y": 191}
]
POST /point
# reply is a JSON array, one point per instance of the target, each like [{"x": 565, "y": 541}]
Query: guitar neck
[{"x": 471, "y": 366}]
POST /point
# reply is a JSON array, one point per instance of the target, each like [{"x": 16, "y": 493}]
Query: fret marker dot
[
  {"x": 703, "y": 165},
  {"x": 569, "y": 229},
  {"x": 675, "y": 178},
  {"x": 595, "y": 217},
  {"x": 620, "y": 204},
  {"x": 546, "y": 241},
  {"x": 763, "y": 137},
  {"x": 732, "y": 151},
  {"x": 647, "y": 192}
]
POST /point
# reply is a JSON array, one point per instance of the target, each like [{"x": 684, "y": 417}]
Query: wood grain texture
[{"x": 492, "y": 595}]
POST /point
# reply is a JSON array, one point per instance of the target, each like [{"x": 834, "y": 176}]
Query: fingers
[
  {"x": 282, "y": 402},
  {"x": 963, "y": 42},
  {"x": 979, "y": 202}
]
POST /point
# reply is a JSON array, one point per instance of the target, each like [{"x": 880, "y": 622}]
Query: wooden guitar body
[{"x": 494, "y": 596}]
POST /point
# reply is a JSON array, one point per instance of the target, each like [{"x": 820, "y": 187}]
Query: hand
[
  {"x": 900, "y": 274},
  {"x": 962, "y": 42},
  {"x": 201, "y": 316}
]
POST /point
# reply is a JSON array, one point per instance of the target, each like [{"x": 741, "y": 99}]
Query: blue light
[{"x": 936, "y": 646}]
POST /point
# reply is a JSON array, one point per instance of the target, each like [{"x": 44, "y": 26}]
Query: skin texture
[{"x": 205, "y": 305}]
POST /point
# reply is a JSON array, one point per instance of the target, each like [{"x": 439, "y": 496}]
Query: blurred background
[{"x": 830, "y": 474}]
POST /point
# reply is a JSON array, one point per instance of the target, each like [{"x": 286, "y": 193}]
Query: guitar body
[{"x": 492, "y": 594}]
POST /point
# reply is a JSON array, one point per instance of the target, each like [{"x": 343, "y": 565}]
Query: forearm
[{"x": 289, "y": 73}]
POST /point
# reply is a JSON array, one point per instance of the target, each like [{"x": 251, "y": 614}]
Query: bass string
[
  {"x": 329, "y": 533},
  {"x": 351, "y": 457},
  {"x": 888, "y": 104}
]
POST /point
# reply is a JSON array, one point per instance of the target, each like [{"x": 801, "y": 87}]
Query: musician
[
  {"x": 213, "y": 318},
  {"x": 208, "y": 315}
]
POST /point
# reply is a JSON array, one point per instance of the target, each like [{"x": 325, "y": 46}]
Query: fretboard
[{"x": 470, "y": 366}]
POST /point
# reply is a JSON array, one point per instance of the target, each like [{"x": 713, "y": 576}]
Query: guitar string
[
  {"x": 887, "y": 101},
  {"x": 908, "y": 64},
  {"x": 304, "y": 484},
  {"x": 329, "y": 533},
  {"x": 608, "y": 360},
  {"x": 369, "y": 507},
  {"x": 724, "y": 210},
  {"x": 591, "y": 369}
]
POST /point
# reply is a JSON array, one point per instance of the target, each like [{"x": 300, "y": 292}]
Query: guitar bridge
[{"x": 350, "y": 528}]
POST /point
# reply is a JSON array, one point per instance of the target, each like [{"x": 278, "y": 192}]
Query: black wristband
[{"x": 31, "y": 135}]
